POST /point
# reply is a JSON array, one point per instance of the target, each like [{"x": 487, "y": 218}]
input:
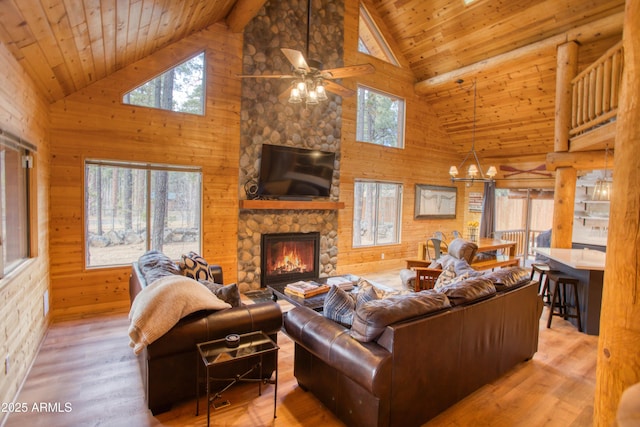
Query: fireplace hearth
[{"x": 288, "y": 257}]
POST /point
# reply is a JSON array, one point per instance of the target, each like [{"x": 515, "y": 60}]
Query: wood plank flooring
[{"x": 86, "y": 375}]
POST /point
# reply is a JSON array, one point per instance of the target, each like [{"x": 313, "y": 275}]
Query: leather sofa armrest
[
  {"x": 206, "y": 326},
  {"x": 216, "y": 272},
  {"x": 368, "y": 364}
]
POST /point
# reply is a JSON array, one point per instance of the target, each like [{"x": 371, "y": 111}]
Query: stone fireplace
[
  {"x": 288, "y": 257},
  {"x": 264, "y": 118}
]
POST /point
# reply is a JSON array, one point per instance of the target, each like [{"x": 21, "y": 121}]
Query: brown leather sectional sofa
[
  {"x": 419, "y": 366},
  {"x": 168, "y": 365}
]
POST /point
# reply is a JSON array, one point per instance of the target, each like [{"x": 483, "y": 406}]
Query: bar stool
[
  {"x": 543, "y": 286},
  {"x": 559, "y": 298}
]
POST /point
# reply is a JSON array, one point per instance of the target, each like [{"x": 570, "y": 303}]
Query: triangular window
[
  {"x": 180, "y": 89},
  {"x": 371, "y": 41}
]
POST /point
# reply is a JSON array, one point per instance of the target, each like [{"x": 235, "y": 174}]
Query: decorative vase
[{"x": 473, "y": 234}]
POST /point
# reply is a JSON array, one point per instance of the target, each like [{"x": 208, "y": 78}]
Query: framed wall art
[{"x": 434, "y": 201}]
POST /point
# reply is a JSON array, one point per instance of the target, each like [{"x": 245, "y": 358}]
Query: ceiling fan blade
[
  {"x": 338, "y": 89},
  {"x": 265, "y": 76},
  {"x": 349, "y": 71},
  {"x": 296, "y": 58}
]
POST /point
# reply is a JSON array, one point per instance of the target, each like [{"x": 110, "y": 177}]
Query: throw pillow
[
  {"x": 339, "y": 306},
  {"x": 366, "y": 292},
  {"x": 195, "y": 267},
  {"x": 154, "y": 265},
  {"x": 445, "y": 277},
  {"x": 227, "y": 293}
]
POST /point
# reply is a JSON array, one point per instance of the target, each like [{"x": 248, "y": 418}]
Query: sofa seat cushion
[
  {"x": 154, "y": 264},
  {"x": 371, "y": 318},
  {"x": 509, "y": 278},
  {"x": 469, "y": 290},
  {"x": 462, "y": 249}
]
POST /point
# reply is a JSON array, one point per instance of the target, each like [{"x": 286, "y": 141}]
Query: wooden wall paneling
[
  {"x": 23, "y": 324},
  {"x": 425, "y": 159},
  {"x": 93, "y": 123}
]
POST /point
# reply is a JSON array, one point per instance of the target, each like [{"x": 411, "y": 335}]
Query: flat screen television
[{"x": 290, "y": 172}]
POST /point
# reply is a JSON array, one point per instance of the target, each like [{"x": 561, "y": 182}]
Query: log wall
[
  {"x": 93, "y": 123},
  {"x": 23, "y": 324}
]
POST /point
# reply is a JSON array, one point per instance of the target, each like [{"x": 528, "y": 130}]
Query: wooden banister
[{"x": 595, "y": 91}]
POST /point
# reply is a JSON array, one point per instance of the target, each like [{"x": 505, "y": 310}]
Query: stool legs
[{"x": 559, "y": 301}]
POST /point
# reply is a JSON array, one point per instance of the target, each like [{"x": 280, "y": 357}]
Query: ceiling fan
[{"x": 309, "y": 81}]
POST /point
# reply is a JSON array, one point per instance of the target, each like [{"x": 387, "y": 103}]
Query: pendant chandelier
[
  {"x": 602, "y": 189},
  {"x": 474, "y": 170}
]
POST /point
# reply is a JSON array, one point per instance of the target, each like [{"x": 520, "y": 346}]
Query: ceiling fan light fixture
[
  {"x": 322, "y": 93},
  {"x": 294, "y": 96},
  {"x": 312, "y": 97}
]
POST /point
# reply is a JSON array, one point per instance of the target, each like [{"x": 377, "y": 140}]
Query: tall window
[
  {"x": 376, "y": 213},
  {"x": 180, "y": 89},
  {"x": 380, "y": 118},
  {"x": 132, "y": 208},
  {"x": 14, "y": 203}
]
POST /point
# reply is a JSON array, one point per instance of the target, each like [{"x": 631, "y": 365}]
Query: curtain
[{"x": 487, "y": 221}]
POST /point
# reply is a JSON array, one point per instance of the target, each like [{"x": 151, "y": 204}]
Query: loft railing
[{"x": 595, "y": 92}]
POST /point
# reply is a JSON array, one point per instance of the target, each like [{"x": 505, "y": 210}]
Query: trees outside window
[
  {"x": 376, "y": 213},
  {"x": 133, "y": 208},
  {"x": 180, "y": 89},
  {"x": 380, "y": 118},
  {"x": 14, "y": 205}
]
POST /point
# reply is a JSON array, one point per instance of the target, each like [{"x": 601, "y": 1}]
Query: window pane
[
  {"x": 380, "y": 118},
  {"x": 175, "y": 212},
  {"x": 364, "y": 212},
  {"x": 115, "y": 214},
  {"x": 180, "y": 89},
  {"x": 388, "y": 217},
  {"x": 13, "y": 199},
  {"x": 376, "y": 219},
  {"x": 119, "y": 229}
]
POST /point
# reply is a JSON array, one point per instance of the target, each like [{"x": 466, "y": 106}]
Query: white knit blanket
[{"x": 159, "y": 306}]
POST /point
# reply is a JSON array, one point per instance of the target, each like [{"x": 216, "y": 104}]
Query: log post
[
  {"x": 563, "y": 207},
  {"x": 618, "y": 355},
  {"x": 567, "y": 68}
]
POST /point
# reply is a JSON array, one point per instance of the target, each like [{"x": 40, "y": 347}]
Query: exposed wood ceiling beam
[
  {"x": 598, "y": 29},
  {"x": 583, "y": 160},
  {"x": 243, "y": 11}
]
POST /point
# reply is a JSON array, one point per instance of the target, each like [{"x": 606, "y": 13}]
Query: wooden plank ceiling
[{"x": 507, "y": 46}]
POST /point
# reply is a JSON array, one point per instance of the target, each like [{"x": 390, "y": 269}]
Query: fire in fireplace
[{"x": 287, "y": 257}]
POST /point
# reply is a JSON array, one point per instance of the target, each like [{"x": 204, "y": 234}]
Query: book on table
[
  {"x": 341, "y": 282},
  {"x": 306, "y": 289}
]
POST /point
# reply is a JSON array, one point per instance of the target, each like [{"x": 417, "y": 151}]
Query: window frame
[
  {"x": 204, "y": 86},
  {"x": 148, "y": 168},
  {"x": 399, "y": 194},
  {"x": 401, "y": 116},
  {"x": 26, "y": 152}
]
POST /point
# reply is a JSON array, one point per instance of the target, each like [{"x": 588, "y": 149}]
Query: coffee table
[{"x": 315, "y": 302}]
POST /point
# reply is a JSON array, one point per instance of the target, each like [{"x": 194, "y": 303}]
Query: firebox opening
[{"x": 288, "y": 257}]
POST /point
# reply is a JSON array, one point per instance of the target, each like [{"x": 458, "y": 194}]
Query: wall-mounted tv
[{"x": 290, "y": 172}]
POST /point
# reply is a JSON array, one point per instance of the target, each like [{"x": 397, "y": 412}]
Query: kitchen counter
[
  {"x": 587, "y": 265},
  {"x": 579, "y": 259}
]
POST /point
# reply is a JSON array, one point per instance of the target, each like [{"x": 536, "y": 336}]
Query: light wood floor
[{"x": 88, "y": 366}]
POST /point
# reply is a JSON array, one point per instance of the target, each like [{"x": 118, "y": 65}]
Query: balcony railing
[
  {"x": 595, "y": 92},
  {"x": 525, "y": 244}
]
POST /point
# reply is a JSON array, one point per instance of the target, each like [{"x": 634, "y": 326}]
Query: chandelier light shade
[
  {"x": 474, "y": 170},
  {"x": 312, "y": 91},
  {"x": 602, "y": 189}
]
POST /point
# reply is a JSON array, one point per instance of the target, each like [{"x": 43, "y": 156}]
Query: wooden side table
[{"x": 216, "y": 352}]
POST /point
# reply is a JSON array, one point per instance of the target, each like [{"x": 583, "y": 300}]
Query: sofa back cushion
[
  {"x": 462, "y": 249},
  {"x": 372, "y": 317},
  {"x": 469, "y": 290},
  {"x": 510, "y": 277}
]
